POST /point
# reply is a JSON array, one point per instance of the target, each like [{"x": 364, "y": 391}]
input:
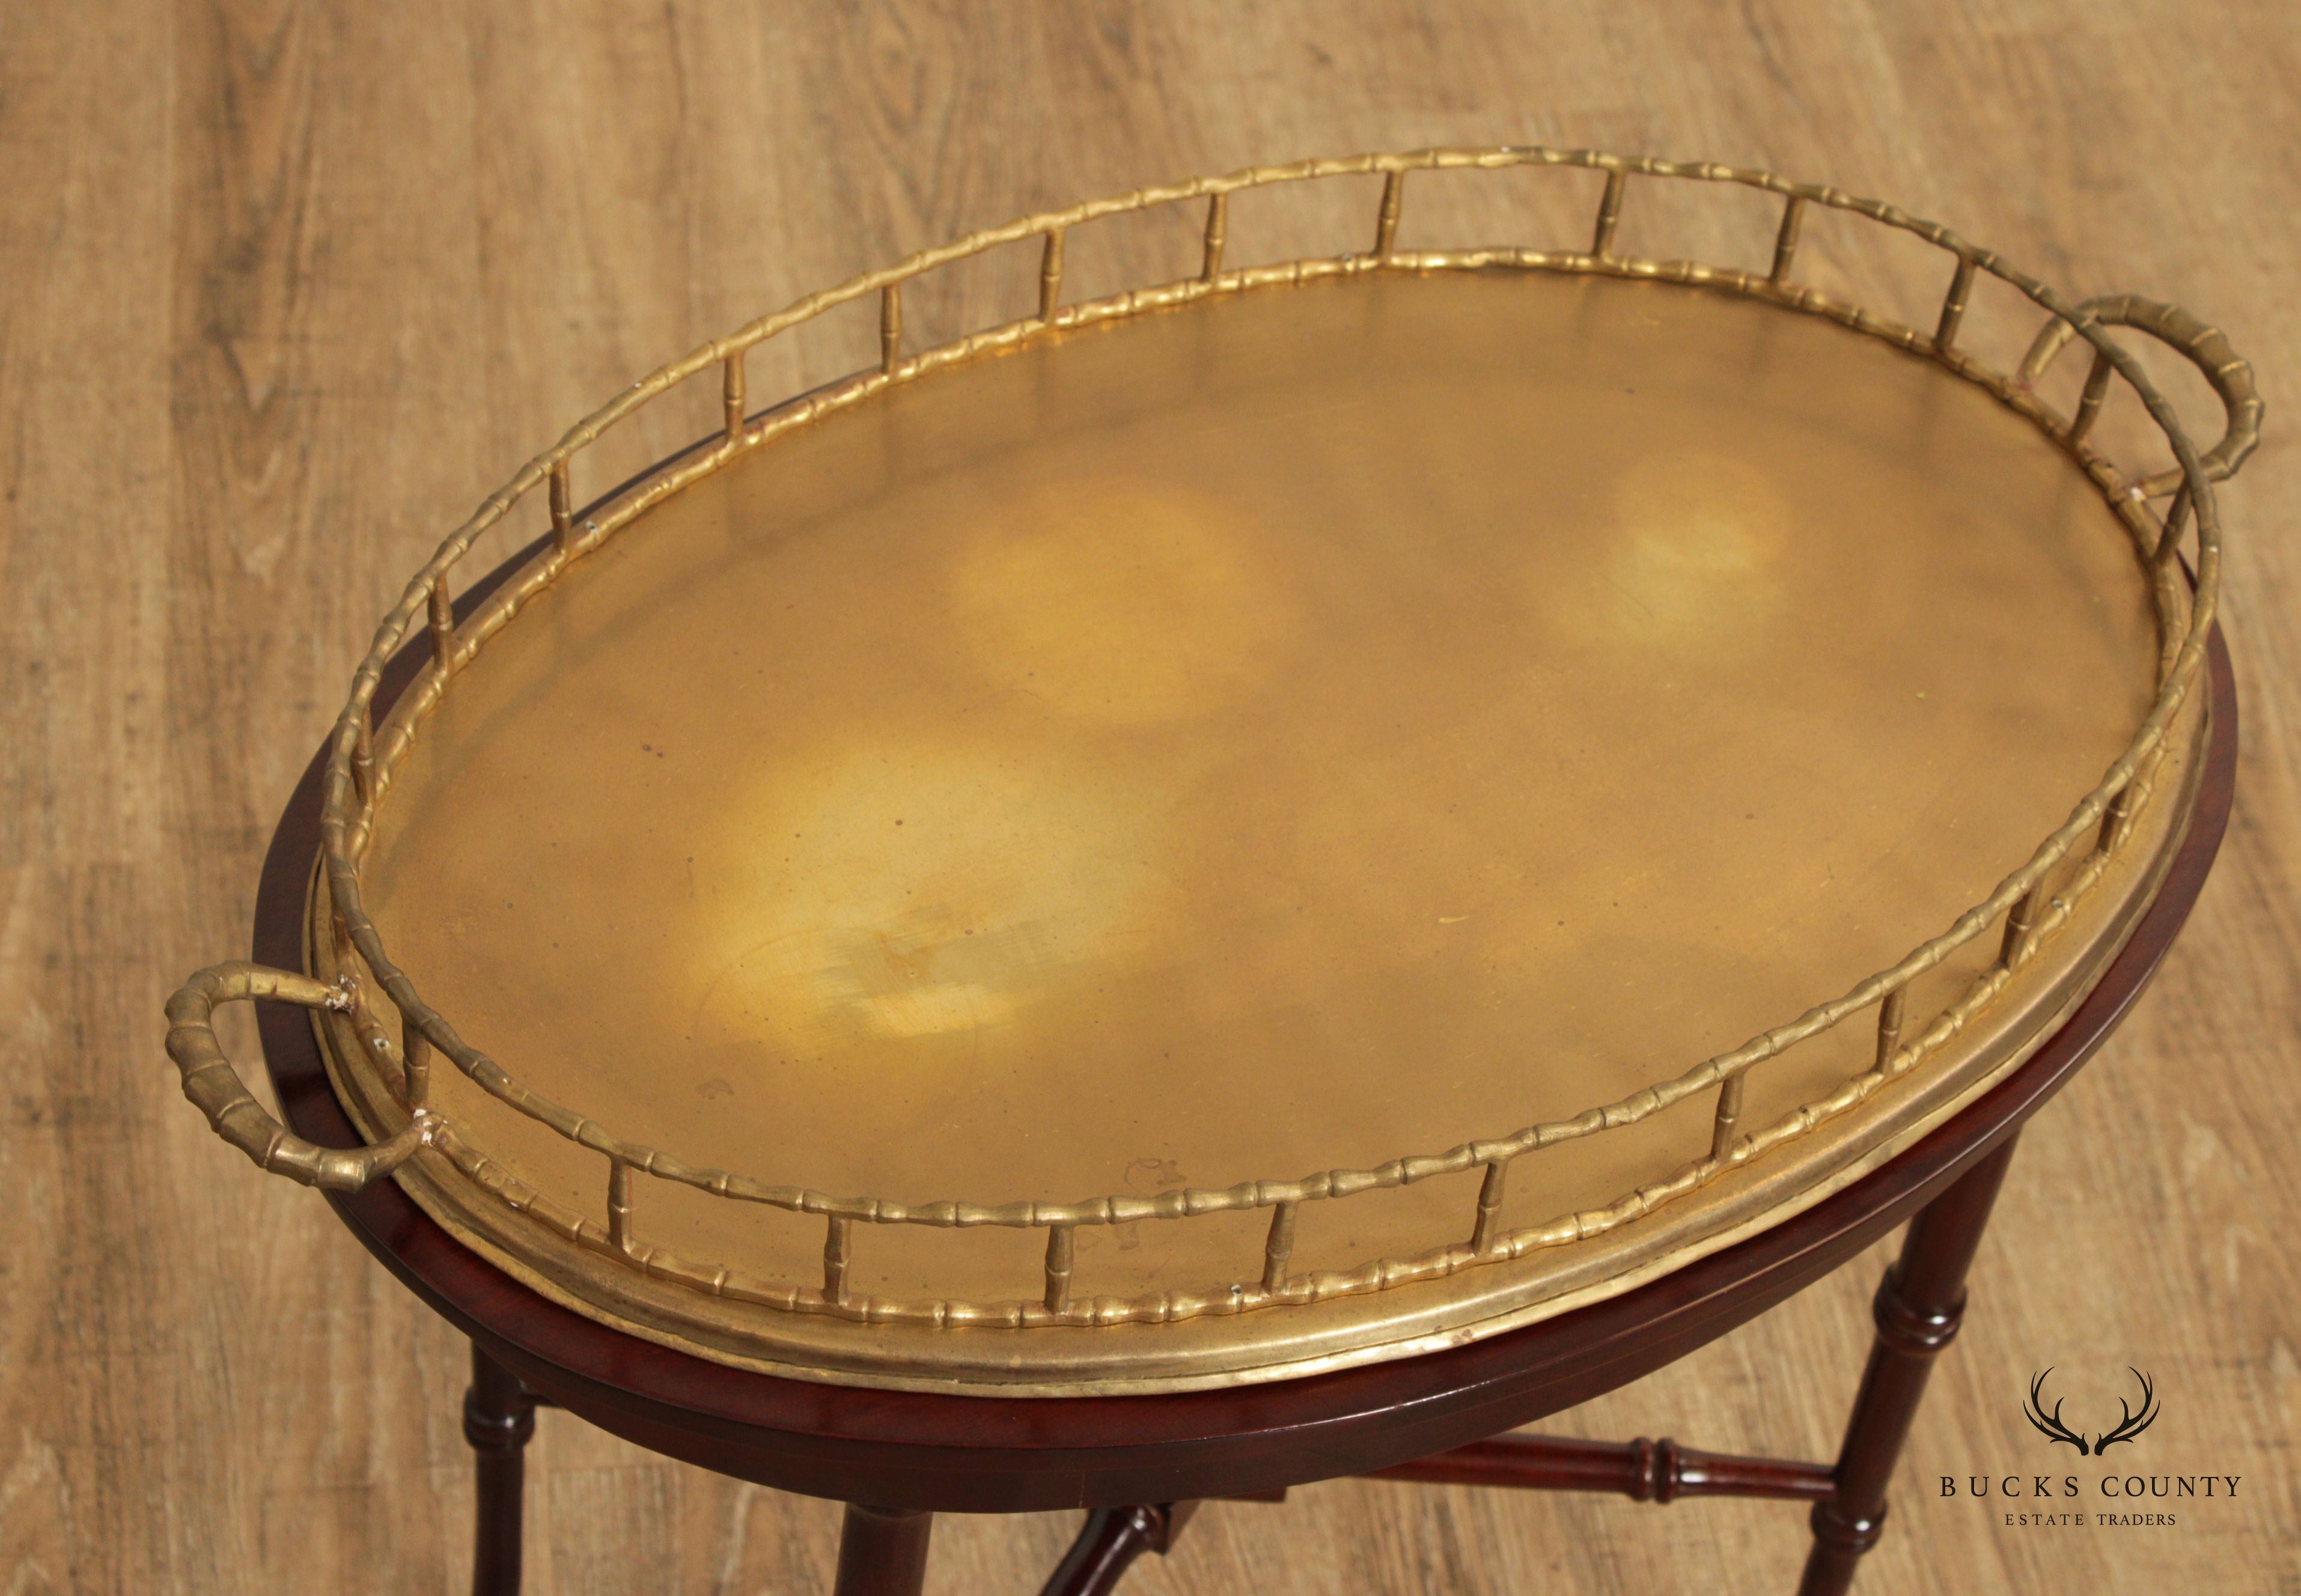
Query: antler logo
[{"x": 2129, "y": 1423}]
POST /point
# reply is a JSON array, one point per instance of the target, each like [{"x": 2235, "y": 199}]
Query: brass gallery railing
[{"x": 362, "y": 758}]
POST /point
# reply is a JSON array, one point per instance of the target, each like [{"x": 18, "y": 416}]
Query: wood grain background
[{"x": 285, "y": 289}]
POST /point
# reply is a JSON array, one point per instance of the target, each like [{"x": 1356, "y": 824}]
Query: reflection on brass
[{"x": 1256, "y": 724}]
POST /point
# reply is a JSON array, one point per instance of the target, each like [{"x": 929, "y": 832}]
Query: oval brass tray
[{"x": 1281, "y": 819}]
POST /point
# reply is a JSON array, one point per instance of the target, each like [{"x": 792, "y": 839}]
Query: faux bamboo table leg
[
  {"x": 1918, "y": 1305},
  {"x": 498, "y": 1419},
  {"x": 883, "y": 1552}
]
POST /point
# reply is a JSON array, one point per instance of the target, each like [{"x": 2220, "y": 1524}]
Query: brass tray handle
[
  {"x": 2205, "y": 346},
  {"x": 216, "y": 1089}
]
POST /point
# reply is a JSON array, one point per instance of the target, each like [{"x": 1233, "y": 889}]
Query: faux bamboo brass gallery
[{"x": 1290, "y": 717}]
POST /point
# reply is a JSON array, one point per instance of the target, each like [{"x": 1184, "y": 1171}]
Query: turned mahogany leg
[
  {"x": 883, "y": 1552},
  {"x": 1918, "y": 1309},
  {"x": 498, "y": 1419},
  {"x": 1110, "y": 1541}
]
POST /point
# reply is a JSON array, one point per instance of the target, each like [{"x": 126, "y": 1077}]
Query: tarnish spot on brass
[
  {"x": 1124, "y": 601},
  {"x": 1701, "y": 537},
  {"x": 886, "y": 892}
]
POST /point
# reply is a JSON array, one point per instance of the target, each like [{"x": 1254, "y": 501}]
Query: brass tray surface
[
  {"x": 1254, "y": 738},
  {"x": 1270, "y": 820}
]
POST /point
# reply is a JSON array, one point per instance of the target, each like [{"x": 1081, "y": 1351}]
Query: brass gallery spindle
[
  {"x": 890, "y": 327},
  {"x": 834, "y": 1258},
  {"x": 619, "y": 1204},
  {"x": 1278, "y": 1247},
  {"x": 2114, "y": 818},
  {"x": 1217, "y": 235},
  {"x": 1059, "y": 1268},
  {"x": 1889, "y": 1024},
  {"x": 1490, "y": 1207},
  {"x": 416, "y": 1063},
  {"x": 2096, "y": 389},
  {"x": 1385, "y": 224},
  {"x": 1730, "y": 1116},
  {"x": 443, "y": 624},
  {"x": 563, "y": 508},
  {"x": 1952, "y": 311},
  {"x": 1609, "y": 214},
  {"x": 2018, "y": 922},
  {"x": 731, "y": 398},
  {"x": 1786, "y": 242},
  {"x": 1051, "y": 274}
]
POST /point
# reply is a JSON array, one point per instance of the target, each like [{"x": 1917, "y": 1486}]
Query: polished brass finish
[
  {"x": 214, "y": 1087},
  {"x": 890, "y": 327},
  {"x": 1952, "y": 311},
  {"x": 1385, "y": 227},
  {"x": 836, "y": 1241},
  {"x": 1609, "y": 214},
  {"x": 1278, "y": 1247},
  {"x": 443, "y": 627},
  {"x": 1177, "y": 805},
  {"x": 1057, "y": 1298},
  {"x": 363, "y": 758},
  {"x": 1889, "y": 1017},
  {"x": 1785, "y": 241},
  {"x": 619, "y": 1206},
  {"x": 2208, "y": 347},
  {"x": 562, "y": 502},
  {"x": 1051, "y": 274},
  {"x": 2018, "y": 921},
  {"x": 1728, "y": 1118},
  {"x": 2096, "y": 389},
  {"x": 731, "y": 397},
  {"x": 1490, "y": 1203}
]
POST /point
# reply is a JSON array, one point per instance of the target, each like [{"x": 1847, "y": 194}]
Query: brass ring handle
[
  {"x": 216, "y": 1089},
  {"x": 2205, "y": 346}
]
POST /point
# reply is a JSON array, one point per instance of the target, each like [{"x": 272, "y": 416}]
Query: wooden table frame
[{"x": 1141, "y": 1464}]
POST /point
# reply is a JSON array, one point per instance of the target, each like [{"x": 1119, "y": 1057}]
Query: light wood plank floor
[{"x": 284, "y": 288}]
